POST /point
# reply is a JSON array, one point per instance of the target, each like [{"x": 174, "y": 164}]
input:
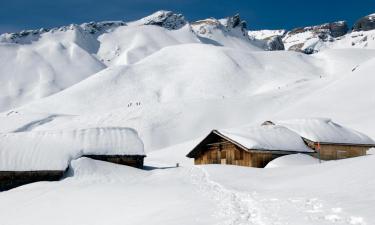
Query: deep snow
[{"x": 173, "y": 86}]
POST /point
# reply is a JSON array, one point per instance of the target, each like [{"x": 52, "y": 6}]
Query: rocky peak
[
  {"x": 323, "y": 31},
  {"x": 166, "y": 19},
  {"x": 235, "y": 21},
  {"x": 232, "y": 23},
  {"x": 309, "y": 39},
  {"x": 94, "y": 28},
  {"x": 365, "y": 23}
]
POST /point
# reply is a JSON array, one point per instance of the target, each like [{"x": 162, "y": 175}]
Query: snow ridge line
[{"x": 235, "y": 208}]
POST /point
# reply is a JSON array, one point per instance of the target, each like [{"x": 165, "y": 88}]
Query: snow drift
[{"x": 53, "y": 150}]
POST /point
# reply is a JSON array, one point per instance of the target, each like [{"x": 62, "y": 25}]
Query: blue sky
[{"x": 260, "y": 14}]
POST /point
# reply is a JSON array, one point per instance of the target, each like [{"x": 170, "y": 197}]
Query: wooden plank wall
[
  {"x": 334, "y": 152},
  {"x": 228, "y": 153}
]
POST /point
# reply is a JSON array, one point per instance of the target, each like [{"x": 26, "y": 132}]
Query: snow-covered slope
[
  {"x": 173, "y": 81},
  {"x": 37, "y": 63},
  {"x": 313, "y": 39},
  {"x": 228, "y": 32},
  {"x": 33, "y": 71},
  {"x": 350, "y": 99},
  {"x": 160, "y": 91}
]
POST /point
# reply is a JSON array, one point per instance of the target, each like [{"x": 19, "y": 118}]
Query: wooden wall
[
  {"x": 224, "y": 152},
  {"x": 334, "y": 152},
  {"x": 12, "y": 179},
  {"x": 128, "y": 160}
]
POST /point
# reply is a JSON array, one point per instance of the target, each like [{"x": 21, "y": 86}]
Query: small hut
[
  {"x": 330, "y": 140},
  {"x": 248, "y": 146},
  {"x": 27, "y": 157},
  {"x": 255, "y": 146}
]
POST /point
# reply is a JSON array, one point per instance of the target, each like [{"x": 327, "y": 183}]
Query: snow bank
[
  {"x": 268, "y": 137},
  {"x": 325, "y": 131},
  {"x": 292, "y": 160},
  {"x": 53, "y": 150}
]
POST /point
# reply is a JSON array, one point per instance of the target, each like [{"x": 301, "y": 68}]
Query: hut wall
[
  {"x": 224, "y": 152},
  {"x": 334, "y": 152},
  {"x": 12, "y": 179},
  {"x": 128, "y": 160}
]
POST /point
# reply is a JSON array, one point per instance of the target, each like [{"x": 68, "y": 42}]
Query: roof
[
  {"x": 324, "y": 130},
  {"x": 268, "y": 137},
  {"x": 53, "y": 150},
  {"x": 259, "y": 138}
]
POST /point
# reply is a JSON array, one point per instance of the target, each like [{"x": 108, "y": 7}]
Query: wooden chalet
[
  {"x": 256, "y": 146},
  {"x": 329, "y": 140},
  {"x": 44, "y": 156},
  {"x": 248, "y": 146}
]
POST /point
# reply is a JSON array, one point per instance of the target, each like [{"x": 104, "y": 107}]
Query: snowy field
[
  {"x": 169, "y": 85},
  {"x": 97, "y": 192}
]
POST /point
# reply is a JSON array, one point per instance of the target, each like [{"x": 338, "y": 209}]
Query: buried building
[
  {"x": 255, "y": 146},
  {"x": 27, "y": 157}
]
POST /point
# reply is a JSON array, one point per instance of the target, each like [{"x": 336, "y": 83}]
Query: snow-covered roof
[
  {"x": 53, "y": 150},
  {"x": 325, "y": 131},
  {"x": 268, "y": 137}
]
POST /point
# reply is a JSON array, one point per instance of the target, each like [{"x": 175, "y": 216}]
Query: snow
[
  {"x": 264, "y": 34},
  {"x": 213, "y": 194},
  {"x": 53, "y": 150},
  {"x": 33, "y": 71},
  {"x": 325, "y": 131},
  {"x": 267, "y": 137},
  {"x": 173, "y": 87},
  {"x": 292, "y": 161}
]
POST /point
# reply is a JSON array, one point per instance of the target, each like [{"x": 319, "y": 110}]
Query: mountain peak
[
  {"x": 365, "y": 23},
  {"x": 166, "y": 19},
  {"x": 27, "y": 36}
]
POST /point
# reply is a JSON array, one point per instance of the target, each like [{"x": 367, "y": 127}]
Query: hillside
[{"x": 158, "y": 85}]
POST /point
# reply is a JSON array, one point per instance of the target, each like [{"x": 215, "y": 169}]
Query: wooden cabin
[
  {"x": 328, "y": 139},
  {"x": 28, "y": 157},
  {"x": 334, "y": 151},
  {"x": 248, "y": 147},
  {"x": 256, "y": 146}
]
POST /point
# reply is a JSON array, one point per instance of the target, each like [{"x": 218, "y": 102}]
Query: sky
[{"x": 16, "y": 15}]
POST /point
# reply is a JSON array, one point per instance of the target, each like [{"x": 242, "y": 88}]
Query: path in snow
[
  {"x": 235, "y": 208},
  {"x": 242, "y": 207}
]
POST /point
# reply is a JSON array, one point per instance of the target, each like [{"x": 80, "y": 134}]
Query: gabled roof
[
  {"x": 326, "y": 131},
  {"x": 258, "y": 138}
]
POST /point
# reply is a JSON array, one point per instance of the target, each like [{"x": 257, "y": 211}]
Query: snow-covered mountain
[
  {"x": 150, "y": 74},
  {"x": 166, "y": 82},
  {"x": 334, "y": 35}
]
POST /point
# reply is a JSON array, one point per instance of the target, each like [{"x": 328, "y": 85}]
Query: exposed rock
[
  {"x": 274, "y": 43},
  {"x": 323, "y": 31},
  {"x": 166, "y": 19},
  {"x": 207, "y": 26},
  {"x": 365, "y": 23},
  {"x": 296, "y": 47},
  {"x": 235, "y": 21},
  {"x": 310, "y": 39}
]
